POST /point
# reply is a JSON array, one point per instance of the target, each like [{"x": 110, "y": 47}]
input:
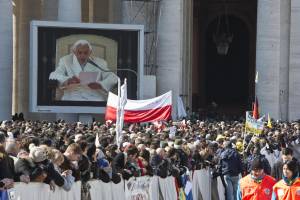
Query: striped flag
[{"x": 149, "y": 110}]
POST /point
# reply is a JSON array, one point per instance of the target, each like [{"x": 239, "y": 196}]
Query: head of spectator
[
  {"x": 73, "y": 152},
  {"x": 11, "y": 147},
  {"x": 178, "y": 144},
  {"x": 56, "y": 157},
  {"x": 257, "y": 169},
  {"x": 290, "y": 171},
  {"x": 38, "y": 154},
  {"x": 132, "y": 152},
  {"x": 287, "y": 154}
]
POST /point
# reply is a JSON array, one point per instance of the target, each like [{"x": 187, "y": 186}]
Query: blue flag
[{"x": 4, "y": 195}]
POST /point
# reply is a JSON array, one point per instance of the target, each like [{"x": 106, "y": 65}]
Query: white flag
[
  {"x": 122, "y": 102},
  {"x": 256, "y": 77}
]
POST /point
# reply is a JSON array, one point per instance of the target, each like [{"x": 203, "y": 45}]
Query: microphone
[{"x": 93, "y": 63}]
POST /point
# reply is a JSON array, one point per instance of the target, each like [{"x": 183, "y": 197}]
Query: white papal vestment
[{"x": 69, "y": 66}]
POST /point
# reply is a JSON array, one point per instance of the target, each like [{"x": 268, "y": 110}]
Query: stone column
[
  {"x": 268, "y": 56},
  {"x": 25, "y": 11},
  {"x": 285, "y": 28},
  {"x": 294, "y": 73},
  {"x": 169, "y": 49},
  {"x": 6, "y": 58},
  {"x": 69, "y": 11},
  {"x": 50, "y": 9},
  {"x": 272, "y": 57}
]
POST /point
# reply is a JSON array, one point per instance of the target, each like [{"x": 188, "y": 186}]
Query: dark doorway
[
  {"x": 227, "y": 76},
  {"x": 227, "y": 80}
]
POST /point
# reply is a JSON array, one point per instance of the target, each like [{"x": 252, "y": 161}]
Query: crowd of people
[{"x": 59, "y": 153}]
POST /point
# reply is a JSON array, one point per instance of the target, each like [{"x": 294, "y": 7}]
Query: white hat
[
  {"x": 78, "y": 137},
  {"x": 38, "y": 154},
  {"x": 125, "y": 144}
]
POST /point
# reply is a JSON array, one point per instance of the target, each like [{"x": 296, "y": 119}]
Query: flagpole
[
  {"x": 118, "y": 128},
  {"x": 118, "y": 114}
]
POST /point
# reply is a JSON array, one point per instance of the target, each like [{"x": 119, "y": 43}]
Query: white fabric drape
[
  {"x": 106, "y": 191},
  {"x": 41, "y": 191},
  {"x": 202, "y": 185}
]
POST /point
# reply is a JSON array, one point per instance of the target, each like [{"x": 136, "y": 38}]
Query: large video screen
[{"x": 75, "y": 65}]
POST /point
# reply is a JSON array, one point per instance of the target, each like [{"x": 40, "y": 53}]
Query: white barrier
[
  {"x": 41, "y": 191},
  {"x": 106, "y": 191},
  {"x": 152, "y": 188},
  {"x": 201, "y": 184},
  {"x": 145, "y": 187}
]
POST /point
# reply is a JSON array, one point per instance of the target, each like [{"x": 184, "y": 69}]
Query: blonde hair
[{"x": 56, "y": 156}]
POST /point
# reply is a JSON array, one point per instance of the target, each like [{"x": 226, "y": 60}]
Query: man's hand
[
  {"x": 95, "y": 86},
  {"x": 73, "y": 80},
  {"x": 67, "y": 173},
  {"x": 24, "y": 178}
]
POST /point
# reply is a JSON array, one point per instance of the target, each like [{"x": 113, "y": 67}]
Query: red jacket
[
  {"x": 251, "y": 190},
  {"x": 282, "y": 191}
]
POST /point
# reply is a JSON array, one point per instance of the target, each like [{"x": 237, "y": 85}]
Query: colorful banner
[
  {"x": 138, "y": 189},
  {"x": 252, "y": 125}
]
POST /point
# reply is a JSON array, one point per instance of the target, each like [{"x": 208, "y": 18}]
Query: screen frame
[{"x": 33, "y": 76}]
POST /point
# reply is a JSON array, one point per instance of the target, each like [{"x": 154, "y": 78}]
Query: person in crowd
[
  {"x": 231, "y": 168},
  {"x": 7, "y": 171},
  {"x": 57, "y": 158},
  {"x": 288, "y": 188},
  {"x": 72, "y": 156},
  {"x": 125, "y": 163},
  {"x": 146, "y": 150},
  {"x": 39, "y": 168},
  {"x": 255, "y": 153},
  {"x": 256, "y": 185},
  {"x": 287, "y": 154}
]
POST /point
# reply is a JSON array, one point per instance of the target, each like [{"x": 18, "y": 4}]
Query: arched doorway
[
  {"x": 226, "y": 80},
  {"x": 227, "y": 76}
]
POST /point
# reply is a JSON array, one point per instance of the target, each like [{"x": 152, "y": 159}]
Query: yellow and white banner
[{"x": 254, "y": 126}]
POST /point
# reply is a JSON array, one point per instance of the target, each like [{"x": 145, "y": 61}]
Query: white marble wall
[
  {"x": 294, "y": 73},
  {"x": 6, "y": 59},
  {"x": 268, "y": 56},
  {"x": 169, "y": 50}
]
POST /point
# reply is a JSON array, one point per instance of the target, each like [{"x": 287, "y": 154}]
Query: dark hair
[
  {"x": 145, "y": 154},
  {"x": 292, "y": 165},
  {"x": 91, "y": 149},
  {"x": 287, "y": 151},
  {"x": 257, "y": 164},
  {"x": 83, "y": 144},
  {"x": 132, "y": 150}
]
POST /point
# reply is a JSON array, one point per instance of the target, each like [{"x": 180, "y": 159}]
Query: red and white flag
[{"x": 149, "y": 110}]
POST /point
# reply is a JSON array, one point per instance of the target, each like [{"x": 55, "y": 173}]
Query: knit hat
[
  {"x": 38, "y": 154},
  {"x": 177, "y": 143}
]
